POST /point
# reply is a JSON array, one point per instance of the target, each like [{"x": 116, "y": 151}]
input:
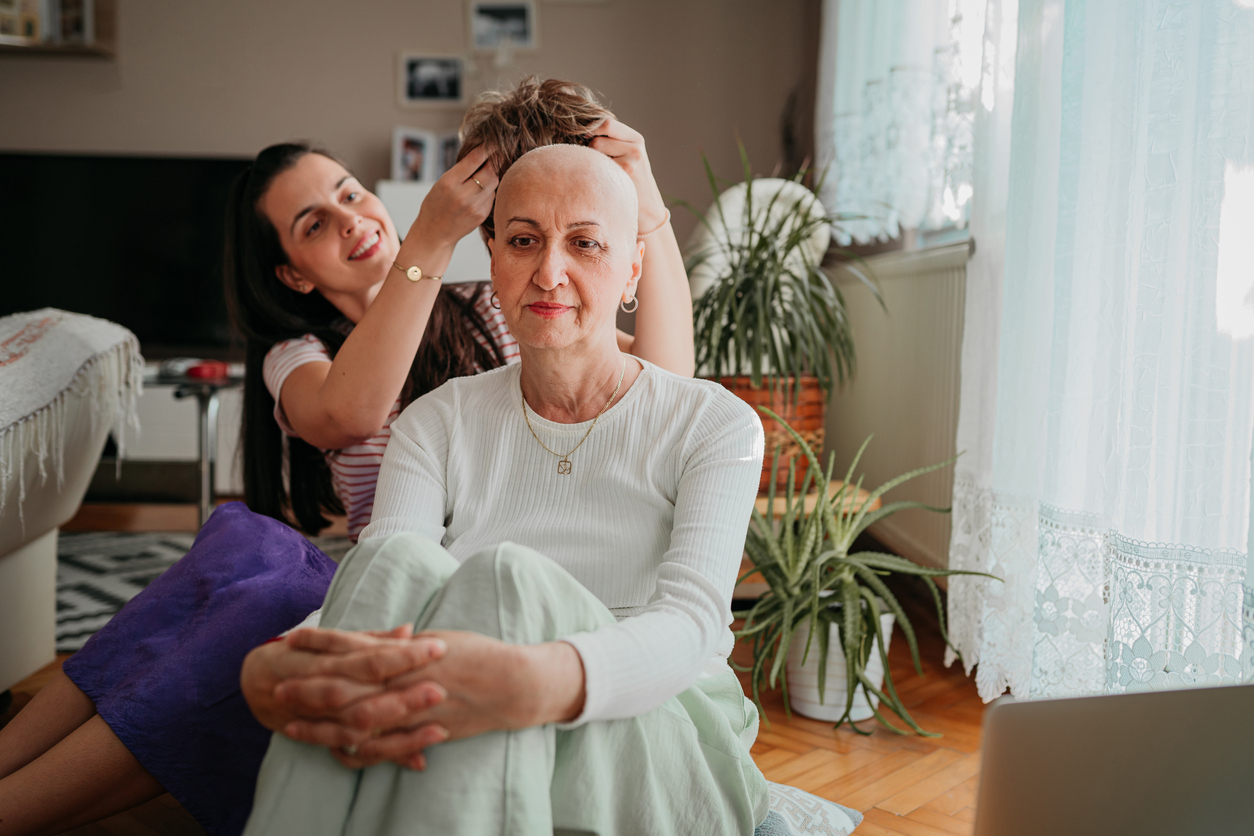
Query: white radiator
[{"x": 905, "y": 389}]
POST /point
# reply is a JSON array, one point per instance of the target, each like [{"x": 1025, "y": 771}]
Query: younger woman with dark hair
[
  {"x": 309, "y": 253},
  {"x": 345, "y": 324}
]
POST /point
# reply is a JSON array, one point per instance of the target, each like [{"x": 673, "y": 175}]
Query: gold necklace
[{"x": 563, "y": 464}]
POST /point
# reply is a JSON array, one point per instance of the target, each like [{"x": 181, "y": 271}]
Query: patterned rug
[{"x": 98, "y": 572}]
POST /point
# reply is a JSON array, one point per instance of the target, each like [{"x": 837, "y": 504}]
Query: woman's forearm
[
  {"x": 558, "y": 680},
  {"x": 371, "y": 367},
  {"x": 664, "y": 319}
]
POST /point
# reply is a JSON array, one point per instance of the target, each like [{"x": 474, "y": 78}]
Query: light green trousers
[{"x": 679, "y": 769}]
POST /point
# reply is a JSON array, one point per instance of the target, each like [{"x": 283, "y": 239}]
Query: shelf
[
  {"x": 104, "y": 45},
  {"x": 96, "y": 50}
]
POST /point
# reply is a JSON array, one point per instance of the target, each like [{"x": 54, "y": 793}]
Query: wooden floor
[
  {"x": 111, "y": 516},
  {"x": 905, "y": 785}
]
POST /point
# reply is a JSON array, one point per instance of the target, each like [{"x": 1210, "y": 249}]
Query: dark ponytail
[{"x": 266, "y": 312}]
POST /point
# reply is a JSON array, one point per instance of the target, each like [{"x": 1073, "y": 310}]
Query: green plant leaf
[
  {"x": 891, "y": 699},
  {"x": 892, "y": 508},
  {"x": 851, "y": 635},
  {"x": 785, "y": 638},
  {"x": 940, "y": 611},
  {"x": 869, "y": 689},
  {"x": 895, "y": 563},
  {"x": 825, "y": 635},
  {"x": 892, "y": 483},
  {"x": 903, "y": 621},
  {"x": 767, "y": 540},
  {"x": 857, "y": 458}
]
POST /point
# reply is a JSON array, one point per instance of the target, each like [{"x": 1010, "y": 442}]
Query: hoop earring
[
  {"x": 635, "y": 303},
  {"x": 494, "y": 302}
]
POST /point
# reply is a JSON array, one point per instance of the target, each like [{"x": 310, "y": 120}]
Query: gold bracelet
[
  {"x": 415, "y": 273},
  {"x": 664, "y": 222}
]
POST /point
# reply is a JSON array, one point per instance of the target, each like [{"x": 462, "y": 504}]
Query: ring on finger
[
  {"x": 482, "y": 188},
  {"x": 350, "y": 749}
]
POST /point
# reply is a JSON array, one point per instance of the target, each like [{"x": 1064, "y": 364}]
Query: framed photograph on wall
[
  {"x": 77, "y": 21},
  {"x": 415, "y": 155},
  {"x": 10, "y": 25},
  {"x": 431, "y": 80},
  {"x": 448, "y": 146},
  {"x": 496, "y": 24}
]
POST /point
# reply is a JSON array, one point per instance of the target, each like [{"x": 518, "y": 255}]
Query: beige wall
[{"x": 227, "y": 77}]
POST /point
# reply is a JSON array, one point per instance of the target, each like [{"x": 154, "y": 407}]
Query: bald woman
[{"x": 564, "y": 534}]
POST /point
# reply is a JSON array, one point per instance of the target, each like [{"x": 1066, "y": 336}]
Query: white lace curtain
[
  {"x": 1107, "y": 405},
  {"x": 896, "y": 105}
]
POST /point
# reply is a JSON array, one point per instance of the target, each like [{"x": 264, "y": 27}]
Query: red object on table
[{"x": 208, "y": 369}]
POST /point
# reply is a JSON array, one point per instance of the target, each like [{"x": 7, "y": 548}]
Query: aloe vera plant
[
  {"x": 771, "y": 310},
  {"x": 812, "y": 577}
]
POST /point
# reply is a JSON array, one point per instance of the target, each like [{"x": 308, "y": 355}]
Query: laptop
[{"x": 1167, "y": 762}]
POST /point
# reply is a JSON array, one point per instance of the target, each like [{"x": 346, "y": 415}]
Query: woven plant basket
[{"x": 805, "y": 413}]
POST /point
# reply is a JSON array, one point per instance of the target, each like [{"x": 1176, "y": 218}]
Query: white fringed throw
[{"x": 44, "y": 355}]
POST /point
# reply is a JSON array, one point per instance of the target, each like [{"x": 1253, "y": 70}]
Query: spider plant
[
  {"x": 813, "y": 578},
  {"x": 771, "y": 310}
]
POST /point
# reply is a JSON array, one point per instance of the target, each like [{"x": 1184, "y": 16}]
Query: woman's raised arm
[
  {"x": 664, "y": 319},
  {"x": 338, "y": 404}
]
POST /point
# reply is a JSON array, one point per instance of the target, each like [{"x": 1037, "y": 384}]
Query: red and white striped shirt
[{"x": 354, "y": 470}]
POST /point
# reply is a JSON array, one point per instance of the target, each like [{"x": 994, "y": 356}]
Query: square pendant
[{"x": 563, "y": 467}]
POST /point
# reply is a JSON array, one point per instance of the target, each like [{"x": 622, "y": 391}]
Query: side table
[{"x": 205, "y": 391}]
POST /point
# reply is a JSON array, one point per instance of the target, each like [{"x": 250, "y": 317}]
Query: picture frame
[
  {"x": 10, "y": 22},
  {"x": 415, "y": 155},
  {"x": 496, "y": 25},
  {"x": 77, "y": 21},
  {"x": 426, "y": 80},
  {"x": 447, "y": 146}
]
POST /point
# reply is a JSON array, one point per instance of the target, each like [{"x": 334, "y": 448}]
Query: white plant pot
[{"x": 803, "y": 680}]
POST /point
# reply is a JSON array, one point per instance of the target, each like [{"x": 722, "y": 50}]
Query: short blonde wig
[{"x": 533, "y": 114}]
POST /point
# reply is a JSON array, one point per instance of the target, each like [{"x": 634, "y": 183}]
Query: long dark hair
[{"x": 267, "y": 312}]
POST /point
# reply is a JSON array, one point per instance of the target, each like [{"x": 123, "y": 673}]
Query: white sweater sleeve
[
  {"x": 639, "y": 663},
  {"x": 411, "y": 493}
]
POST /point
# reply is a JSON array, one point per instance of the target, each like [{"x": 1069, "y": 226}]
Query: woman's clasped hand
[
  {"x": 331, "y": 687},
  {"x": 387, "y": 696}
]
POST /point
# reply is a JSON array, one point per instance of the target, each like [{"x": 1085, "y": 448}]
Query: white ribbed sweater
[{"x": 651, "y": 519}]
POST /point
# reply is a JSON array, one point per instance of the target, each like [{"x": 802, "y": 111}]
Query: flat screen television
[{"x": 136, "y": 240}]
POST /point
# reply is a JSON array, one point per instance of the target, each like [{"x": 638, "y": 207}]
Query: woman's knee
[
  {"x": 534, "y": 598},
  {"x": 385, "y": 581},
  {"x": 513, "y": 563},
  {"x": 407, "y": 553},
  {"x": 517, "y": 572}
]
